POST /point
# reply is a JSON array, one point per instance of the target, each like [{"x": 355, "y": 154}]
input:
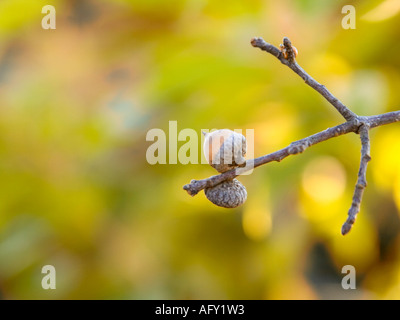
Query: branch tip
[
  {"x": 254, "y": 41},
  {"x": 346, "y": 228},
  {"x": 361, "y": 184},
  {"x": 286, "y": 54}
]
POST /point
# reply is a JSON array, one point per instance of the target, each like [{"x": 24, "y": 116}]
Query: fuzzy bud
[
  {"x": 228, "y": 194},
  {"x": 225, "y": 149}
]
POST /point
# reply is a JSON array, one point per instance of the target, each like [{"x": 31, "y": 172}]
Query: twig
[
  {"x": 292, "y": 64},
  {"x": 361, "y": 181},
  {"x": 354, "y": 123},
  {"x": 195, "y": 186},
  {"x": 294, "y": 148}
]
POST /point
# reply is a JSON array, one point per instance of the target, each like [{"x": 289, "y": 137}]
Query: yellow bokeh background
[{"x": 77, "y": 192}]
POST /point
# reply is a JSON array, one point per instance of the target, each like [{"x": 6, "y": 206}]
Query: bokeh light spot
[{"x": 324, "y": 179}]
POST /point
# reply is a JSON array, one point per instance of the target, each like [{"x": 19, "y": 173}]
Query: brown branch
[
  {"x": 382, "y": 119},
  {"x": 357, "y": 124},
  {"x": 195, "y": 186},
  {"x": 292, "y": 64},
  {"x": 361, "y": 181}
]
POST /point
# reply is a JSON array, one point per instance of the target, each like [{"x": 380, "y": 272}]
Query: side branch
[
  {"x": 361, "y": 181},
  {"x": 195, "y": 186},
  {"x": 292, "y": 64},
  {"x": 382, "y": 119}
]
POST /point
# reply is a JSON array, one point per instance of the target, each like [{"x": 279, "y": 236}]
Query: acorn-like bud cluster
[
  {"x": 227, "y": 194},
  {"x": 225, "y": 150}
]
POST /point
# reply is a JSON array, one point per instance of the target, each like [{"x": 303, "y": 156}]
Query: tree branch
[
  {"x": 357, "y": 124},
  {"x": 292, "y": 64},
  {"x": 195, "y": 186},
  {"x": 361, "y": 181}
]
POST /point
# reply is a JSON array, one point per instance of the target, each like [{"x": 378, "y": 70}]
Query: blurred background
[{"x": 76, "y": 191}]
